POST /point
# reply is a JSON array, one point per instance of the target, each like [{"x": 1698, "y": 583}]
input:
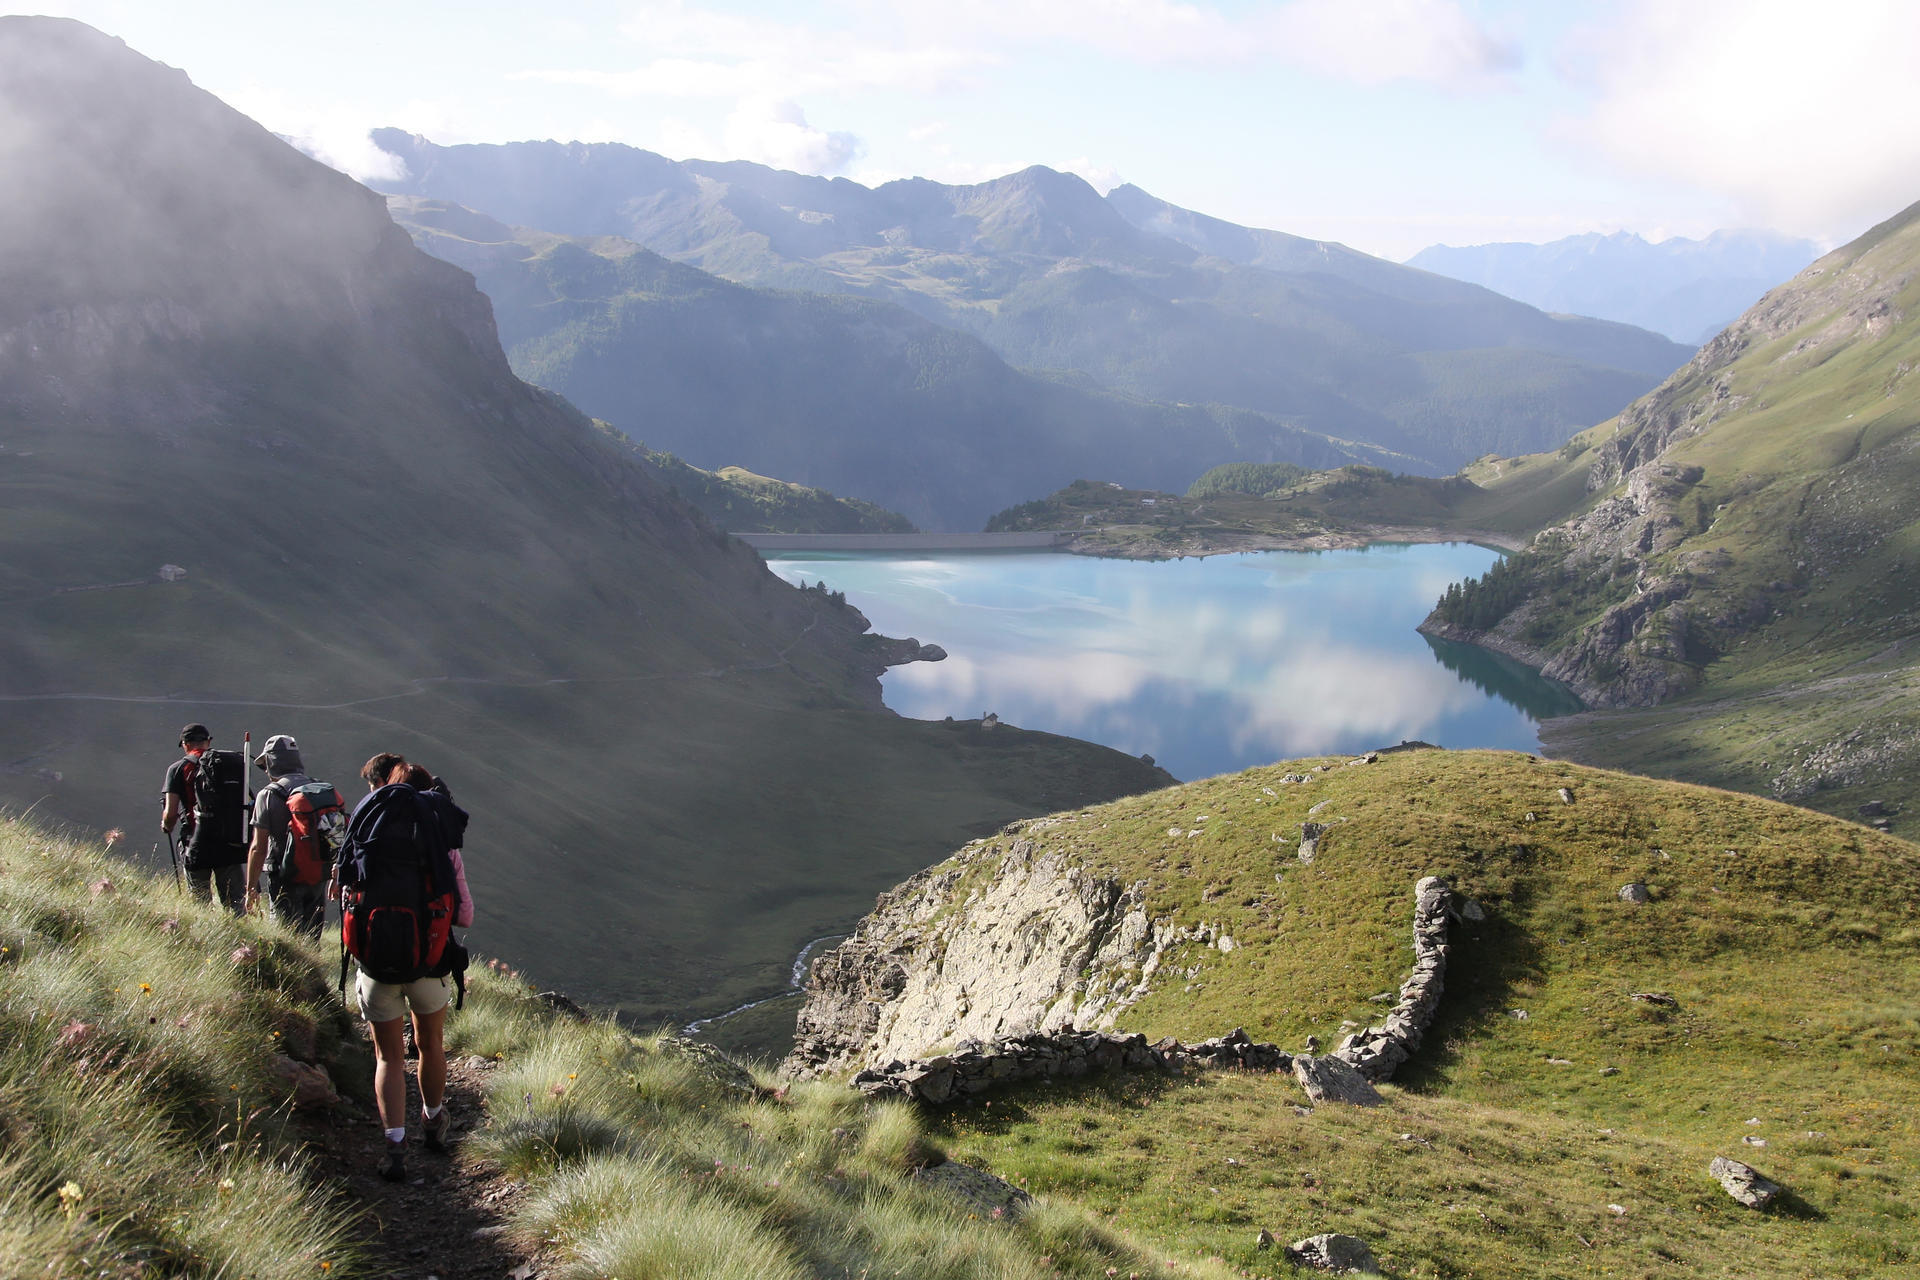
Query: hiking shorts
[{"x": 385, "y": 1001}]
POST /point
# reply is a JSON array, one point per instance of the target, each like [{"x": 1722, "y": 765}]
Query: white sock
[
  {"x": 397, "y": 1135},
  {"x": 431, "y": 1112}
]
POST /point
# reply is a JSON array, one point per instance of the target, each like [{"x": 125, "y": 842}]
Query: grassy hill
[
  {"x": 1744, "y": 551},
  {"x": 148, "y": 1131},
  {"x": 857, "y": 395},
  {"x": 219, "y": 355},
  {"x": 1546, "y": 1092},
  {"x": 1144, "y": 298}
]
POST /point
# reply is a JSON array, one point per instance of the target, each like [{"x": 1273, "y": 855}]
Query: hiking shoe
[
  {"x": 437, "y": 1129},
  {"x": 395, "y": 1168}
]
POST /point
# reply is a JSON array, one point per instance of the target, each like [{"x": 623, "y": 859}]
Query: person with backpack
[
  {"x": 206, "y": 793},
  {"x": 399, "y": 897},
  {"x": 297, "y": 825}
]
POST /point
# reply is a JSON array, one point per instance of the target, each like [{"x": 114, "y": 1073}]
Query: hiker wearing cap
[
  {"x": 295, "y": 825},
  {"x": 207, "y": 800},
  {"x": 397, "y": 863}
]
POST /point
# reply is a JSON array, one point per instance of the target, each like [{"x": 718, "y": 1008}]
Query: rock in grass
[
  {"x": 976, "y": 1189},
  {"x": 1329, "y": 1079},
  {"x": 1635, "y": 892},
  {"x": 1340, "y": 1255},
  {"x": 312, "y": 1087},
  {"x": 1744, "y": 1183},
  {"x": 1310, "y": 833}
]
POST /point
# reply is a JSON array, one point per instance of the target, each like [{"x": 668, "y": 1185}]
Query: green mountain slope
[
  {"x": 1780, "y": 947},
  {"x": 1055, "y": 277},
  {"x": 855, "y": 395},
  {"x": 1746, "y": 548},
  {"x": 218, "y": 355}
]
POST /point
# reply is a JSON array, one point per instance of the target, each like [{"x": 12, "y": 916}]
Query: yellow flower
[
  {"x": 70, "y": 1196},
  {"x": 226, "y": 1186},
  {"x": 146, "y": 988}
]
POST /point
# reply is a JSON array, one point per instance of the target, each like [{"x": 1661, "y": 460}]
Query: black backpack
[
  {"x": 219, "y": 811},
  {"x": 397, "y": 891}
]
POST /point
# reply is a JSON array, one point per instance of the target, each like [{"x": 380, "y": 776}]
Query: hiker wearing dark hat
[
  {"x": 209, "y": 808},
  {"x": 296, "y": 821}
]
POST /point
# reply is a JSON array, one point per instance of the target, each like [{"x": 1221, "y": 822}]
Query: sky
[{"x": 1387, "y": 125}]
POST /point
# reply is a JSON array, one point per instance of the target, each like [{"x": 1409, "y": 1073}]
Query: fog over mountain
[
  {"x": 1138, "y": 295},
  {"x": 223, "y": 357},
  {"x": 1686, "y": 289}
]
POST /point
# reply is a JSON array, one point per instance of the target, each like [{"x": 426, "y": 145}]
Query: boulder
[
  {"x": 1329, "y": 1079},
  {"x": 1336, "y": 1254},
  {"x": 1636, "y": 893},
  {"x": 1744, "y": 1183},
  {"x": 975, "y": 1189},
  {"x": 1310, "y": 833},
  {"x": 312, "y": 1087}
]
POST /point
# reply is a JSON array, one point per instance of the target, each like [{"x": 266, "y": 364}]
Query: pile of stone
[
  {"x": 1378, "y": 1051},
  {"x": 975, "y": 1067}
]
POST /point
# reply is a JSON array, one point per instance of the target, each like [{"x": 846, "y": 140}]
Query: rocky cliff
[
  {"x": 1000, "y": 940},
  {"x": 1739, "y": 492}
]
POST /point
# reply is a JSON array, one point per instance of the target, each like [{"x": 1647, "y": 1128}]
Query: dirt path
[{"x": 448, "y": 1219}]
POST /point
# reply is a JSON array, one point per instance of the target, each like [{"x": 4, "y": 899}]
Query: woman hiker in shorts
[{"x": 385, "y": 1005}]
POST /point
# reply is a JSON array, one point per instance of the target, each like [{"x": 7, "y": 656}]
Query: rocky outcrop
[
  {"x": 1008, "y": 964},
  {"x": 1001, "y": 941}
]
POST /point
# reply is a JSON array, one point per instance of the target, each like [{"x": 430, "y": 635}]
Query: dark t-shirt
[{"x": 180, "y": 783}]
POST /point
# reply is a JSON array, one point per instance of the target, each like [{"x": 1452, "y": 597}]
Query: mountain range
[
  {"x": 1686, "y": 289},
  {"x": 1137, "y": 295},
  {"x": 263, "y": 465},
  {"x": 856, "y": 395}
]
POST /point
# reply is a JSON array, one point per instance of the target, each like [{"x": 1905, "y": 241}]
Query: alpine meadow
[{"x": 571, "y": 412}]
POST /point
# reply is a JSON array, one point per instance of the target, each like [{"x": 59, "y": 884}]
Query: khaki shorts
[{"x": 385, "y": 1001}]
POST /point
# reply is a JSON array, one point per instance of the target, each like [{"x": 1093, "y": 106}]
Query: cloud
[
  {"x": 776, "y": 132},
  {"x": 1804, "y": 120},
  {"x": 1365, "y": 41}
]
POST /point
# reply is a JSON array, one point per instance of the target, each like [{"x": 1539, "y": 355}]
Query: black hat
[{"x": 194, "y": 733}]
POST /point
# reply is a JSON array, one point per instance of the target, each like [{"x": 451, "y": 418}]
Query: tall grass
[
  {"x": 142, "y": 1130},
  {"x": 648, "y": 1159}
]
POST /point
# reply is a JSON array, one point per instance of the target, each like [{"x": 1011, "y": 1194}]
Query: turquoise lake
[{"x": 1210, "y": 665}]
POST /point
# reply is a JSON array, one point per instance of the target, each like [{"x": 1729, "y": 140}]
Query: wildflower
[
  {"x": 244, "y": 954},
  {"x": 99, "y": 887},
  {"x": 75, "y": 1033},
  {"x": 146, "y": 988},
  {"x": 558, "y": 1090},
  {"x": 326, "y": 1266},
  {"x": 70, "y": 1197},
  {"x": 170, "y": 926},
  {"x": 226, "y": 1186},
  {"x": 115, "y": 836},
  {"x": 573, "y": 1075}
]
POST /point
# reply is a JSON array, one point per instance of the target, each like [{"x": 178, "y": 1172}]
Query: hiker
[
  {"x": 399, "y": 897},
  {"x": 296, "y": 821},
  {"x": 206, "y": 795}
]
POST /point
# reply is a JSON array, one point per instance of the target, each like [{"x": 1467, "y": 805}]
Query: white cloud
[
  {"x": 1805, "y": 120},
  {"x": 1101, "y": 177},
  {"x": 776, "y": 132}
]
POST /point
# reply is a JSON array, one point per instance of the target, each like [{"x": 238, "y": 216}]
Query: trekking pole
[
  {"x": 246, "y": 787},
  {"x": 174, "y": 853}
]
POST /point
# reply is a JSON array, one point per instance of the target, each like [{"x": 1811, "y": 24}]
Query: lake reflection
[{"x": 1210, "y": 665}]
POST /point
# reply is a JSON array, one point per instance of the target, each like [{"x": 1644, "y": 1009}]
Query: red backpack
[{"x": 316, "y": 820}]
